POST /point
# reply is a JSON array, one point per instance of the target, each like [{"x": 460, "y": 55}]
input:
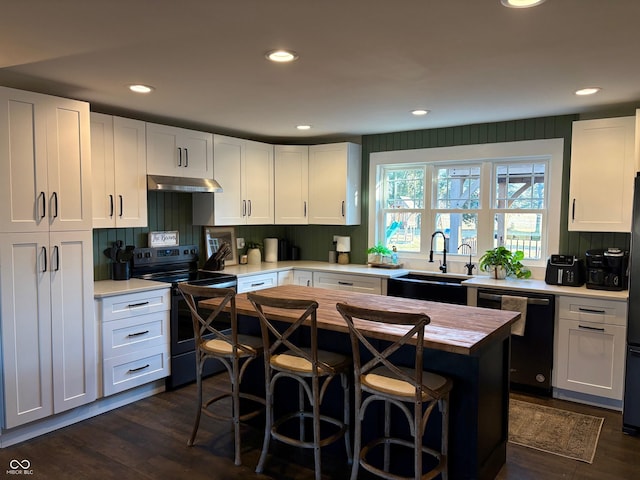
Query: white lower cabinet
[
  {"x": 590, "y": 349},
  {"x": 342, "y": 281},
  {"x": 135, "y": 338},
  {"x": 257, "y": 282},
  {"x": 303, "y": 277},
  {"x": 48, "y": 330}
]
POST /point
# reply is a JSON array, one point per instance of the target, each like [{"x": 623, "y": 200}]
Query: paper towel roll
[
  {"x": 343, "y": 244},
  {"x": 270, "y": 249}
]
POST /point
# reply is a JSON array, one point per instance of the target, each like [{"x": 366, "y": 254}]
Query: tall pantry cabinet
[{"x": 46, "y": 275}]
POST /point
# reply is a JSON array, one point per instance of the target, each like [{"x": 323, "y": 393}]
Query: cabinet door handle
[
  {"x": 137, "y": 334},
  {"x": 349, "y": 284},
  {"x": 186, "y": 157},
  {"x": 179, "y": 156},
  {"x": 55, "y": 203},
  {"x": 133, "y": 370},
  {"x": 342, "y": 210},
  {"x": 244, "y": 208},
  {"x": 111, "y": 205},
  {"x": 308, "y": 283},
  {"x": 249, "y": 207},
  {"x": 57, "y": 252},
  {"x": 134, "y": 305},
  {"x": 573, "y": 210},
  {"x": 44, "y": 255},
  {"x": 591, "y": 310},
  {"x": 121, "y": 206},
  {"x": 591, "y": 328},
  {"x": 634, "y": 351},
  {"x": 44, "y": 205},
  {"x": 305, "y": 209}
]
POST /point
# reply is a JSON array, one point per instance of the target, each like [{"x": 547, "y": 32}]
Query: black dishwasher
[{"x": 531, "y": 353}]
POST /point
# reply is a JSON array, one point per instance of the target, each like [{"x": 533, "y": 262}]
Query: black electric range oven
[{"x": 174, "y": 265}]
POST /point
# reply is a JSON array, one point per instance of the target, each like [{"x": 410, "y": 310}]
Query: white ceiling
[{"x": 364, "y": 64}]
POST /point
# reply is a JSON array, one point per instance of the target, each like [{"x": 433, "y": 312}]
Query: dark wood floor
[{"x": 147, "y": 440}]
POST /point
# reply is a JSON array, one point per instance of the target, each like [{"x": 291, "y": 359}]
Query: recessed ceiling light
[
  {"x": 303, "y": 127},
  {"x": 521, "y": 3},
  {"x": 419, "y": 112},
  {"x": 588, "y": 91},
  {"x": 140, "y": 88},
  {"x": 282, "y": 56}
]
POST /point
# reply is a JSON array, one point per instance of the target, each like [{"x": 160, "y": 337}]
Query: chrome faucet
[
  {"x": 443, "y": 266},
  {"x": 470, "y": 266}
]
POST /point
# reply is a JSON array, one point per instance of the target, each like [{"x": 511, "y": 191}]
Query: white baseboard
[
  {"x": 585, "y": 398},
  {"x": 100, "y": 406}
]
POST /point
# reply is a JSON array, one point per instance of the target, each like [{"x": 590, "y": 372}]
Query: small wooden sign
[{"x": 163, "y": 239}]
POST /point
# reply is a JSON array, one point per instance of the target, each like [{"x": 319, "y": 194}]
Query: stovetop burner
[{"x": 174, "y": 265}]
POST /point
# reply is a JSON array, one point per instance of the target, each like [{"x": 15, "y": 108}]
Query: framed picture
[{"x": 216, "y": 236}]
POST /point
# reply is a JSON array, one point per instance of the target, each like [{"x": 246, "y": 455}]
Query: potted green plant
[
  {"x": 378, "y": 253},
  {"x": 501, "y": 262}
]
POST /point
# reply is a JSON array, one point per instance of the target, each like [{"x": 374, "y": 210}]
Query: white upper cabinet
[
  {"x": 174, "y": 151},
  {"x": 119, "y": 166},
  {"x": 45, "y": 163},
  {"x": 244, "y": 169},
  {"x": 334, "y": 184},
  {"x": 291, "y": 184},
  {"x": 603, "y": 168}
]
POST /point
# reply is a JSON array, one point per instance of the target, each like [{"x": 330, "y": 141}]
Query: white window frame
[{"x": 550, "y": 151}]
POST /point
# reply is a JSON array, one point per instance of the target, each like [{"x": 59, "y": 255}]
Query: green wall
[{"x": 172, "y": 211}]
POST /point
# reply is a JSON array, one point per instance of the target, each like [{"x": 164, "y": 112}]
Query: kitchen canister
[{"x": 270, "y": 250}]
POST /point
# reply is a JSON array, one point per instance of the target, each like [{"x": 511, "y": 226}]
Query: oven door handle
[{"x": 498, "y": 298}]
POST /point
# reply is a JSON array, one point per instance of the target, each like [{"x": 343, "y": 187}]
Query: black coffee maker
[{"x": 607, "y": 269}]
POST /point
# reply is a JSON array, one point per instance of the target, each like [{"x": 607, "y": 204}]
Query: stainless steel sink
[{"x": 424, "y": 286}]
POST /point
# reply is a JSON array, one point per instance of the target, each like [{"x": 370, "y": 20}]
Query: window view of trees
[{"x": 459, "y": 201}]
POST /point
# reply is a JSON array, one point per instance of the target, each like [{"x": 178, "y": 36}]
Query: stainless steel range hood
[{"x": 182, "y": 184}]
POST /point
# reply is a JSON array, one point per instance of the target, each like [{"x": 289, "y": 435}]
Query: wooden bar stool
[
  {"x": 413, "y": 391},
  {"x": 311, "y": 368},
  {"x": 233, "y": 350}
]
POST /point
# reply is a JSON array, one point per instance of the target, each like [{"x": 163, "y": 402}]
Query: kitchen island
[{"x": 468, "y": 344}]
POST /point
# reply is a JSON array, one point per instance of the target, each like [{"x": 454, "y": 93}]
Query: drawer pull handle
[
  {"x": 133, "y": 370},
  {"x": 591, "y": 310},
  {"x": 349, "y": 284},
  {"x": 137, "y": 334},
  {"x": 257, "y": 284},
  {"x": 134, "y": 305},
  {"x": 591, "y": 328}
]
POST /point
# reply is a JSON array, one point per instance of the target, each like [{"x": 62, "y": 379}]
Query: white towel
[{"x": 516, "y": 304}]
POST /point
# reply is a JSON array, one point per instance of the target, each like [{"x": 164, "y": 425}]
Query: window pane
[
  {"x": 459, "y": 228},
  {"x": 402, "y": 229},
  {"x": 519, "y": 231},
  {"x": 520, "y": 185},
  {"x": 404, "y": 188},
  {"x": 458, "y": 188}
]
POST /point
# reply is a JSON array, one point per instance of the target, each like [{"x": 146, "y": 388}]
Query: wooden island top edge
[{"x": 453, "y": 328}]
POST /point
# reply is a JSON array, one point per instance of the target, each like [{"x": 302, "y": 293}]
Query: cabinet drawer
[
  {"x": 134, "y": 369},
  {"x": 128, "y": 335},
  {"x": 132, "y": 304},
  {"x": 354, "y": 283},
  {"x": 257, "y": 282},
  {"x": 610, "y": 312}
]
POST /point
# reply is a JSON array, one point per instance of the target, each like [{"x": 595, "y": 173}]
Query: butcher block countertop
[{"x": 453, "y": 328}]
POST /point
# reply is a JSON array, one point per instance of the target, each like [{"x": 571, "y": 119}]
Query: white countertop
[
  {"x": 540, "y": 286},
  {"x": 107, "y": 288},
  {"x": 353, "y": 269}
]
